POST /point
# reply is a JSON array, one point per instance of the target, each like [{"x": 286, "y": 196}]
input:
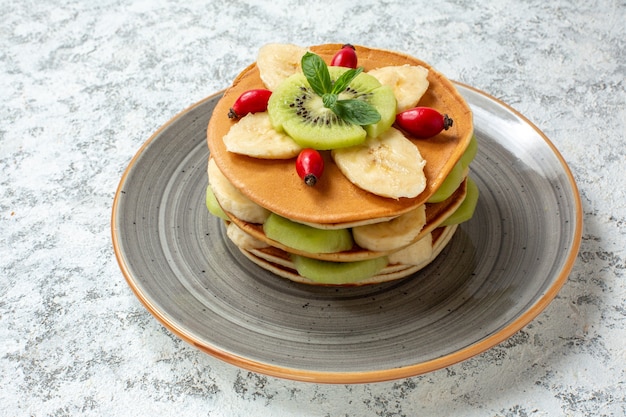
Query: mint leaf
[
  {"x": 345, "y": 79},
  {"x": 329, "y": 100},
  {"x": 352, "y": 111},
  {"x": 316, "y": 73},
  {"x": 357, "y": 112}
]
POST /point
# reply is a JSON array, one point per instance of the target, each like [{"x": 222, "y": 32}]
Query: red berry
[
  {"x": 423, "y": 122},
  {"x": 251, "y": 101},
  {"x": 310, "y": 166},
  {"x": 345, "y": 57}
]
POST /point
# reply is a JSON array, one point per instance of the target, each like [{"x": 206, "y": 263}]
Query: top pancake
[{"x": 275, "y": 185}]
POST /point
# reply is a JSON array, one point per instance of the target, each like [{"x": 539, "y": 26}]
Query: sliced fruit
[
  {"x": 367, "y": 88},
  {"x": 467, "y": 207},
  {"x": 389, "y": 165},
  {"x": 297, "y": 110},
  {"x": 326, "y": 272},
  {"x": 253, "y": 135},
  {"x": 449, "y": 185},
  {"x": 306, "y": 238},
  {"x": 242, "y": 239},
  {"x": 362, "y": 84},
  {"x": 470, "y": 152},
  {"x": 456, "y": 175},
  {"x": 232, "y": 200},
  {"x": 213, "y": 206},
  {"x": 277, "y": 62},
  {"x": 409, "y": 83},
  {"x": 414, "y": 254},
  {"x": 384, "y": 100},
  {"x": 392, "y": 234}
]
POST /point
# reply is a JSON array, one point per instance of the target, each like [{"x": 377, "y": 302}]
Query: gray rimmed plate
[{"x": 501, "y": 269}]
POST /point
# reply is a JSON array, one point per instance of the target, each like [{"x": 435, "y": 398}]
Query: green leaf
[
  {"x": 316, "y": 73},
  {"x": 345, "y": 79},
  {"x": 329, "y": 100},
  {"x": 352, "y": 111},
  {"x": 357, "y": 112}
]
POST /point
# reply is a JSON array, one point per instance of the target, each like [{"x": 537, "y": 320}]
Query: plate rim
[{"x": 305, "y": 375}]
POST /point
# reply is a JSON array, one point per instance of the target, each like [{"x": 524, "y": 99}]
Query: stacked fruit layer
[{"x": 332, "y": 125}]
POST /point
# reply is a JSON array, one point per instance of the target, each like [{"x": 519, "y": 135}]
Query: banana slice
[
  {"x": 253, "y": 135},
  {"x": 232, "y": 200},
  {"x": 392, "y": 234},
  {"x": 389, "y": 165},
  {"x": 277, "y": 61},
  {"x": 409, "y": 83},
  {"x": 242, "y": 239},
  {"x": 415, "y": 254}
]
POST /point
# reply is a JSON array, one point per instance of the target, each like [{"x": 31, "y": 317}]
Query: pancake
[
  {"x": 279, "y": 262},
  {"x": 435, "y": 214},
  {"x": 275, "y": 185}
]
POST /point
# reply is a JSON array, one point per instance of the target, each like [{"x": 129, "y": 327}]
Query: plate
[{"x": 501, "y": 269}]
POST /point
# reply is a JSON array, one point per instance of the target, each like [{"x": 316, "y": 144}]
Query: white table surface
[{"x": 83, "y": 84}]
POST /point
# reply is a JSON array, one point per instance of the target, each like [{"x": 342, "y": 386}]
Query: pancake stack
[{"x": 382, "y": 209}]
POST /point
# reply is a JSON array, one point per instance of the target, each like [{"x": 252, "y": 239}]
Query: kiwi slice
[
  {"x": 384, "y": 100},
  {"x": 338, "y": 273},
  {"x": 466, "y": 210},
  {"x": 470, "y": 152},
  {"x": 367, "y": 88},
  {"x": 307, "y": 238},
  {"x": 213, "y": 206},
  {"x": 449, "y": 185},
  {"x": 455, "y": 177},
  {"x": 296, "y": 109}
]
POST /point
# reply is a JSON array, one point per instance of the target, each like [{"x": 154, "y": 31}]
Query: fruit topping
[
  {"x": 408, "y": 82},
  {"x": 389, "y": 165},
  {"x": 456, "y": 176},
  {"x": 449, "y": 185},
  {"x": 295, "y": 109},
  {"x": 392, "y": 234},
  {"x": 253, "y": 135},
  {"x": 213, "y": 206},
  {"x": 277, "y": 62},
  {"x": 470, "y": 152},
  {"x": 353, "y": 111},
  {"x": 415, "y": 254},
  {"x": 337, "y": 273},
  {"x": 328, "y": 108},
  {"x": 306, "y": 238},
  {"x": 242, "y": 239},
  {"x": 232, "y": 200},
  {"x": 467, "y": 207},
  {"x": 310, "y": 166},
  {"x": 251, "y": 101},
  {"x": 384, "y": 100},
  {"x": 423, "y": 122},
  {"x": 345, "y": 57}
]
